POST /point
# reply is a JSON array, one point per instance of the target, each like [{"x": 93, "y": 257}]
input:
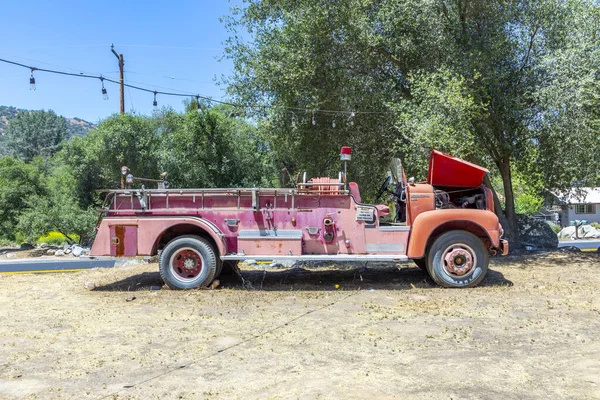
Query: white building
[{"x": 580, "y": 203}]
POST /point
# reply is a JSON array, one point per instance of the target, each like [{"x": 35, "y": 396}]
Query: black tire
[
  {"x": 421, "y": 263},
  {"x": 463, "y": 245},
  {"x": 181, "y": 250}
]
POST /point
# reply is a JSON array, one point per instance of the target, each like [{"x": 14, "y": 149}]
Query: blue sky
[{"x": 174, "y": 45}]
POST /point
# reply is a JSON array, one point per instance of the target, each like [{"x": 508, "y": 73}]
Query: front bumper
[{"x": 504, "y": 246}]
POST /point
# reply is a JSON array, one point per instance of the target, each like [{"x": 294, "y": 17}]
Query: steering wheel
[{"x": 383, "y": 187}]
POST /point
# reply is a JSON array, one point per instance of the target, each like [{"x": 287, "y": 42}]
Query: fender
[
  {"x": 480, "y": 222},
  {"x": 150, "y": 230}
]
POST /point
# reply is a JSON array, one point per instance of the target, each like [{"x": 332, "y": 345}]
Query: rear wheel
[
  {"x": 188, "y": 262},
  {"x": 458, "y": 259}
]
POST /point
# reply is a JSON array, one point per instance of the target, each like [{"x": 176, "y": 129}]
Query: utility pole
[{"x": 121, "y": 81}]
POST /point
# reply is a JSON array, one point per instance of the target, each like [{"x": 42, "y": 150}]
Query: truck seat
[{"x": 381, "y": 208}]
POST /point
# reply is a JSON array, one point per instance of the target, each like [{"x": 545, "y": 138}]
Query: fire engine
[{"x": 446, "y": 225}]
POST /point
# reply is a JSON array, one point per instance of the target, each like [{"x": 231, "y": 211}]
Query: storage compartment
[
  {"x": 123, "y": 240},
  {"x": 270, "y": 242}
]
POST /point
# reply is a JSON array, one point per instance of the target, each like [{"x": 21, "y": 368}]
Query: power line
[{"x": 172, "y": 92}]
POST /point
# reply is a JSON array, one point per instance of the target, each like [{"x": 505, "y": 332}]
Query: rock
[
  {"x": 90, "y": 285},
  {"x": 50, "y": 252},
  {"x": 27, "y": 246},
  {"x": 567, "y": 232},
  {"x": 590, "y": 232},
  {"x": 535, "y": 233},
  {"x": 11, "y": 255},
  {"x": 77, "y": 250},
  {"x": 59, "y": 253},
  {"x": 132, "y": 298},
  {"x": 37, "y": 253},
  {"x": 151, "y": 260},
  {"x": 584, "y": 231},
  {"x": 155, "y": 287},
  {"x": 42, "y": 245}
]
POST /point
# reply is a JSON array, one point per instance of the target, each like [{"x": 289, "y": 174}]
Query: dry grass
[{"x": 530, "y": 331}]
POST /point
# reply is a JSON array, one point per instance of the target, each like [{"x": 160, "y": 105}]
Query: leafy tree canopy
[
  {"x": 34, "y": 133},
  {"x": 471, "y": 77}
]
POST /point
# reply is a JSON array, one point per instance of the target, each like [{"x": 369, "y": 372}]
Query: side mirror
[{"x": 411, "y": 181}]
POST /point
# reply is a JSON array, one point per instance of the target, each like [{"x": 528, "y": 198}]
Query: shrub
[
  {"x": 555, "y": 227},
  {"x": 56, "y": 238},
  {"x": 595, "y": 225}
]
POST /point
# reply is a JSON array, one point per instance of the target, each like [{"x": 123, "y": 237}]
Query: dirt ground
[{"x": 531, "y": 330}]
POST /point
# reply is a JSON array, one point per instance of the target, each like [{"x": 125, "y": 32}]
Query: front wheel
[
  {"x": 458, "y": 259},
  {"x": 188, "y": 262}
]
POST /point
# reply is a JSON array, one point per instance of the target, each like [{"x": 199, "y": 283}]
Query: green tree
[
  {"x": 34, "y": 133},
  {"x": 212, "y": 148},
  {"x": 460, "y": 75},
  {"x": 18, "y": 182},
  {"x": 120, "y": 140},
  {"x": 57, "y": 209}
]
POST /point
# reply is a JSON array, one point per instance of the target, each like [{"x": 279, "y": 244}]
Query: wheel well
[
  {"x": 468, "y": 226},
  {"x": 182, "y": 229}
]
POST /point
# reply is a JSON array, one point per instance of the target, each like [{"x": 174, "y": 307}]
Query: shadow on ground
[{"x": 309, "y": 279}]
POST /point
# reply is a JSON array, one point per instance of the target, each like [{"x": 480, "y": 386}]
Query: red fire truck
[{"x": 446, "y": 225}]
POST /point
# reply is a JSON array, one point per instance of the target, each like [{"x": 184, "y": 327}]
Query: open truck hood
[{"x": 445, "y": 170}]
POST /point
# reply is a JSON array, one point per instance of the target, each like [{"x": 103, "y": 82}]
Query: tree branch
[
  {"x": 526, "y": 59},
  {"x": 382, "y": 50}
]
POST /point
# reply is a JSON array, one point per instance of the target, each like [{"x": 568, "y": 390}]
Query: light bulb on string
[
  {"x": 155, "y": 104},
  {"x": 333, "y": 123},
  {"x": 32, "y": 80},
  {"x": 104, "y": 92},
  {"x": 293, "y": 120},
  {"x": 351, "y": 118},
  {"x": 314, "y": 121}
]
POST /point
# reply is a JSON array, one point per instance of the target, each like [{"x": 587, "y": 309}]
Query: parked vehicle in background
[{"x": 446, "y": 225}]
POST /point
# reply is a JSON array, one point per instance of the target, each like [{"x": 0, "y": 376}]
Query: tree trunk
[
  {"x": 509, "y": 203},
  {"x": 497, "y": 205}
]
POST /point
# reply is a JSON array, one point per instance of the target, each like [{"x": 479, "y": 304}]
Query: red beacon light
[{"x": 346, "y": 153}]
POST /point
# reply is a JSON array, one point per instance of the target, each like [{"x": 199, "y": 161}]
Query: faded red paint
[{"x": 317, "y": 220}]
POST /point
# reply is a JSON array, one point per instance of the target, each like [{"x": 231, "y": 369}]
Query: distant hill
[{"x": 76, "y": 126}]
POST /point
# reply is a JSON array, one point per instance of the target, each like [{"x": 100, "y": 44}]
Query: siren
[
  {"x": 345, "y": 156},
  {"x": 346, "y": 153}
]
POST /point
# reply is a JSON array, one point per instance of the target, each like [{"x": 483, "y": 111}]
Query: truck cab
[{"x": 446, "y": 224}]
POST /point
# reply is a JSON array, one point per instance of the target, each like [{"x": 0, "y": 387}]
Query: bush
[
  {"x": 555, "y": 227},
  {"x": 56, "y": 238},
  {"x": 595, "y": 225}
]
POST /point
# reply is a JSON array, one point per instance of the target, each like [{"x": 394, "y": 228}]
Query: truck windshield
[{"x": 397, "y": 172}]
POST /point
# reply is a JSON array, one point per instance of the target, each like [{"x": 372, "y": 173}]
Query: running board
[{"x": 322, "y": 257}]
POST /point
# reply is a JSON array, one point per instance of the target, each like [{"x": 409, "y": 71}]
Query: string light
[
  {"x": 198, "y": 104},
  {"x": 293, "y": 120},
  {"x": 32, "y": 80},
  {"x": 155, "y": 103},
  {"x": 333, "y": 123},
  {"x": 208, "y": 100},
  {"x": 104, "y": 92}
]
